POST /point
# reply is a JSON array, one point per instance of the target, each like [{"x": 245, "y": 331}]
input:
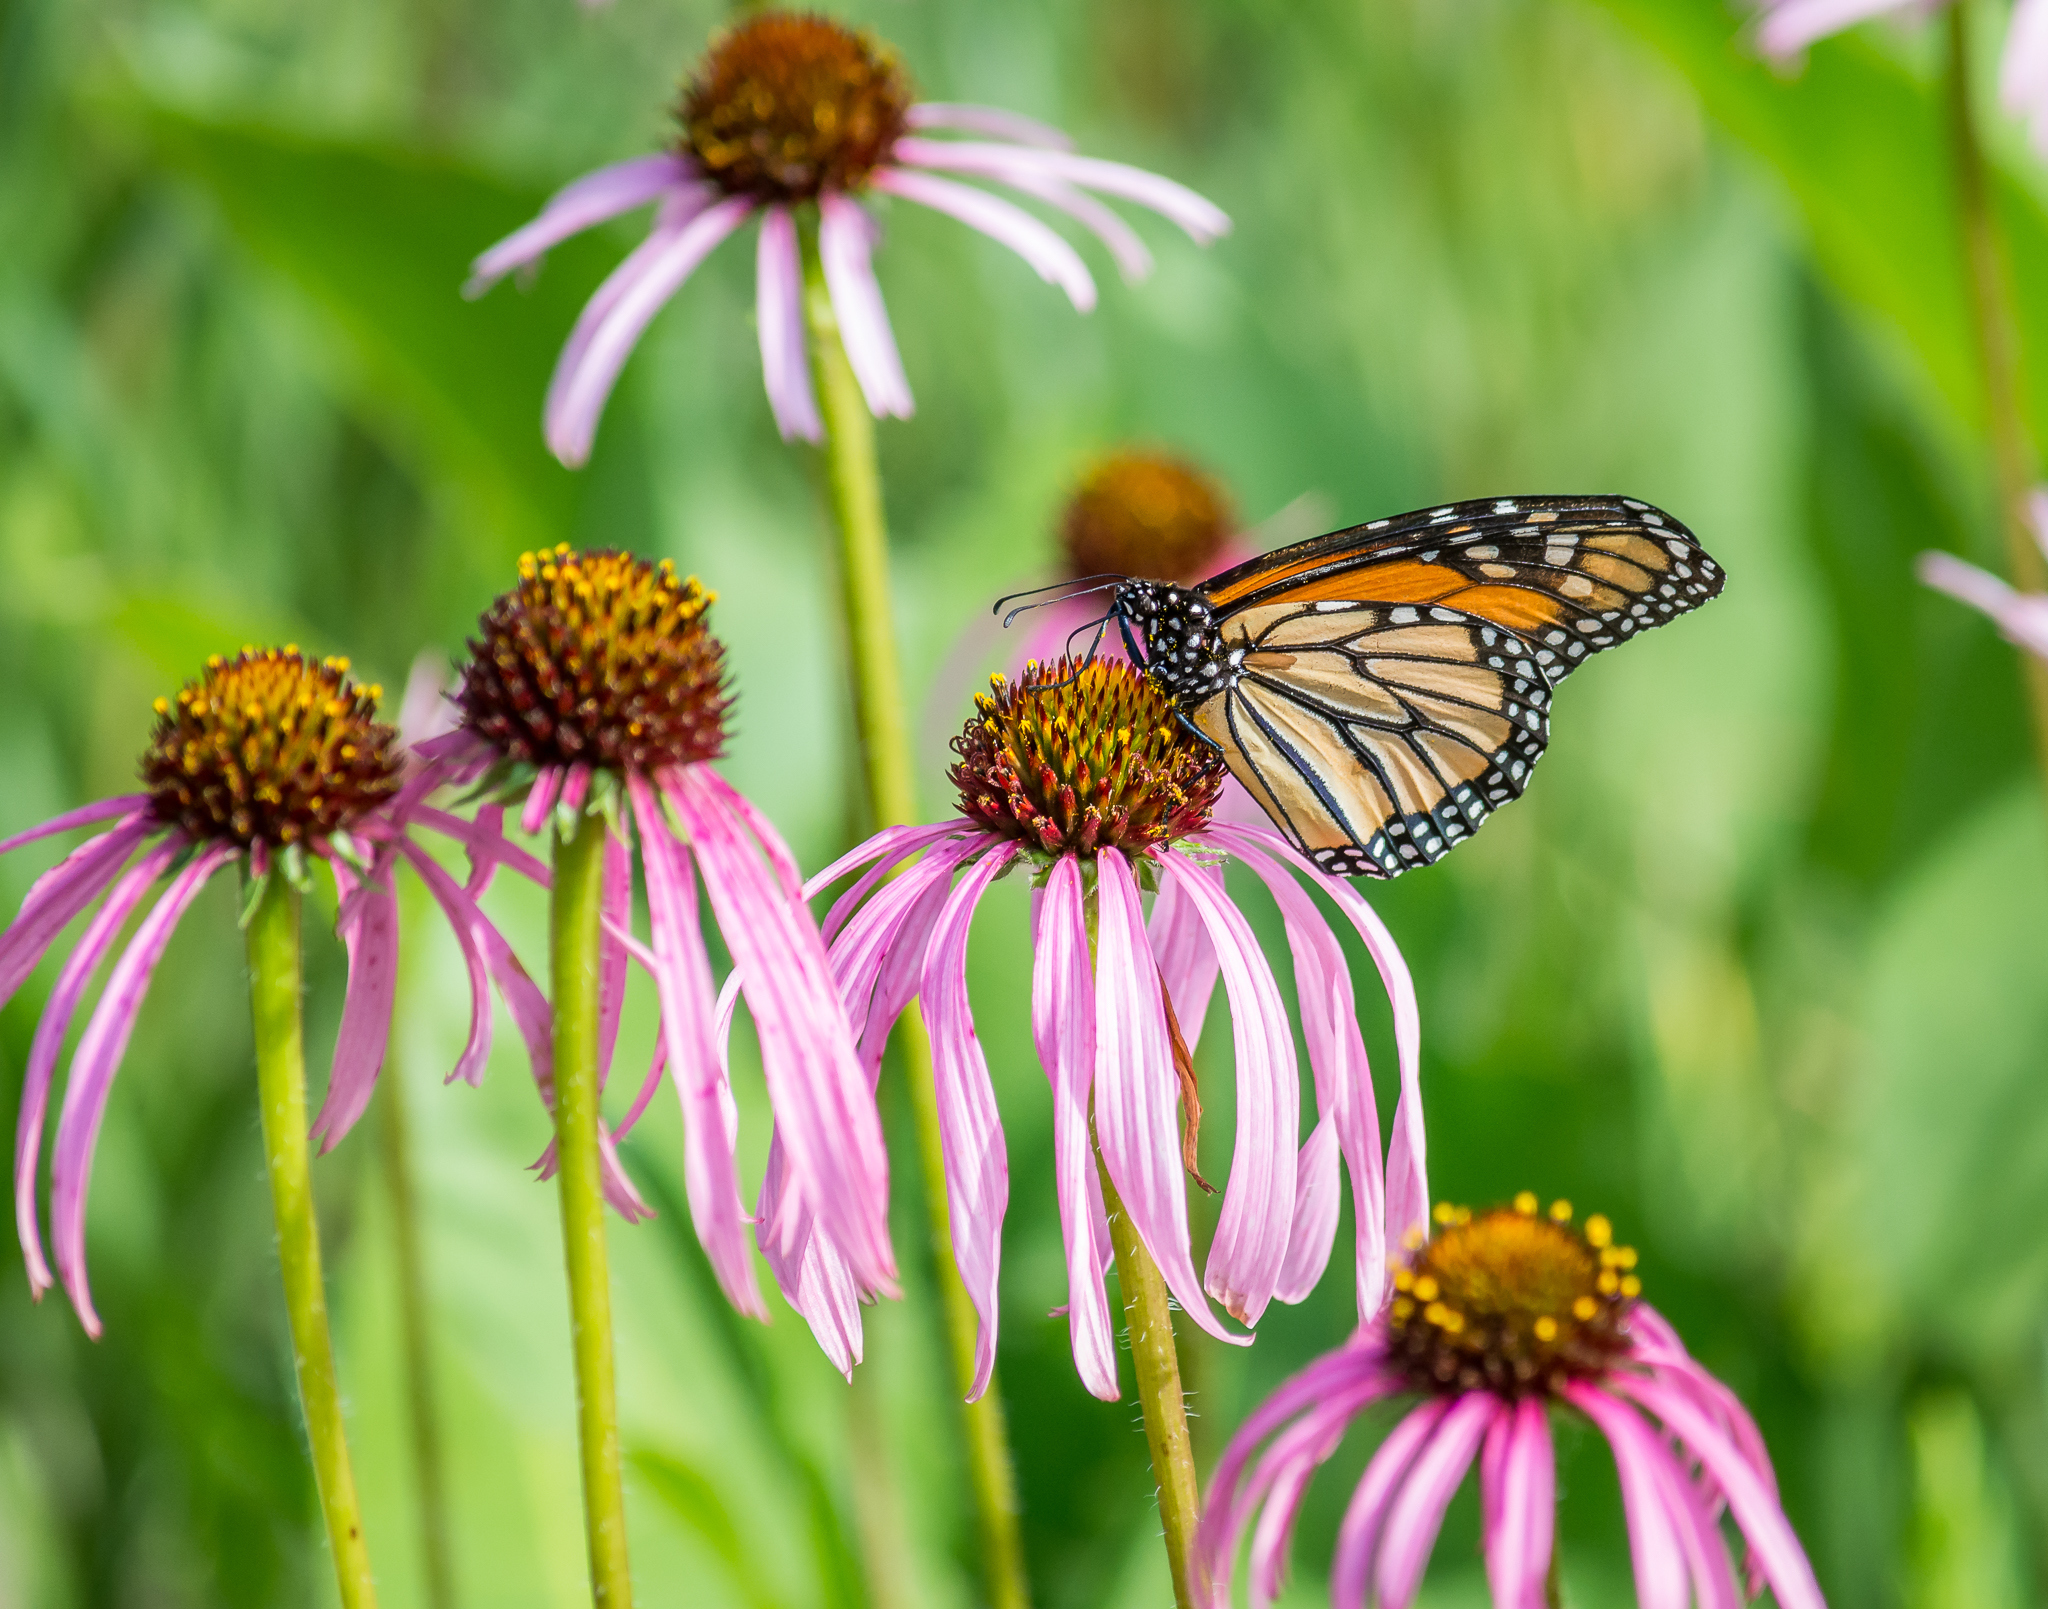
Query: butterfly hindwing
[
  {"x": 1377, "y": 737},
  {"x": 1569, "y": 575}
]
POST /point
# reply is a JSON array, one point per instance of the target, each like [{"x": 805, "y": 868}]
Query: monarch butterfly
[{"x": 1380, "y": 690}]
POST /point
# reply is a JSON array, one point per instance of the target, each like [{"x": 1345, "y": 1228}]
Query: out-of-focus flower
[
  {"x": 1082, "y": 775},
  {"x": 1496, "y": 1321},
  {"x": 2022, "y": 616},
  {"x": 595, "y": 687},
  {"x": 1789, "y": 26},
  {"x": 792, "y": 114},
  {"x": 271, "y": 760}
]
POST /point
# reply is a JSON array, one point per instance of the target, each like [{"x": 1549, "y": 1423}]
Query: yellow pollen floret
[
  {"x": 1631, "y": 1287},
  {"x": 1545, "y": 1328},
  {"x": 1584, "y": 1309},
  {"x": 1426, "y": 1289},
  {"x": 1561, "y": 1211},
  {"x": 1525, "y": 1203},
  {"x": 1599, "y": 1231}
]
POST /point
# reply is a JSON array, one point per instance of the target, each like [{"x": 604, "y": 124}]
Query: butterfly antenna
[
  {"x": 1101, "y": 625},
  {"x": 1084, "y": 584}
]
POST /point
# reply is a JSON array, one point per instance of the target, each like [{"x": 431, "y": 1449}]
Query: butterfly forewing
[
  {"x": 1569, "y": 575},
  {"x": 1377, "y": 737}
]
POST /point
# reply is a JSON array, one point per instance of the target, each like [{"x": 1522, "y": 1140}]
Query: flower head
[
  {"x": 1500, "y": 1318},
  {"x": 1147, "y": 514},
  {"x": 792, "y": 116},
  {"x": 595, "y": 686},
  {"x": 2021, "y": 616},
  {"x": 1085, "y": 776},
  {"x": 273, "y": 760}
]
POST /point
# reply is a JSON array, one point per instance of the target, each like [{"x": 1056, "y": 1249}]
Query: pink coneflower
[
  {"x": 594, "y": 690},
  {"x": 1081, "y": 777},
  {"x": 269, "y": 760},
  {"x": 793, "y": 117},
  {"x": 1496, "y": 1321},
  {"x": 1789, "y": 26},
  {"x": 2022, "y": 616}
]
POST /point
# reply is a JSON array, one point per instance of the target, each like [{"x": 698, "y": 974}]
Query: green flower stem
[
  {"x": 273, "y": 939},
  {"x": 1148, "y": 1322},
  {"x": 431, "y": 1490},
  {"x": 574, "y": 918},
  {"x": 854, "y": 481},
  {"x": 1992, "y": 318}
]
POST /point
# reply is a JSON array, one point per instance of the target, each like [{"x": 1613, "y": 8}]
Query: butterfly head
[{"x": 1172, "y": 632}]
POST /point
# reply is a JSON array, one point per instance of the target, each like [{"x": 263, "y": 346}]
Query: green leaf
[{"x": 690, "y": 1496}]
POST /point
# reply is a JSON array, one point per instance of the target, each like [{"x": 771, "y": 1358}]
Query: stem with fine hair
[
  {"x": 1992, "y": 321},
  {"x": 575, "y": 915},
  {"x": 1148, "y": 1322},
  {"x": 854, "y": 480},
  {"x": 431, "y": 1491},
  {"x": 273, "y": 943}
]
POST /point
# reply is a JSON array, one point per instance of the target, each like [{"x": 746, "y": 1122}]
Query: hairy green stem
[
  {"x": 273, "y": 940},
  {"x": 1992, "y": 321},
  {"x": 1148, "y": 1322},
  {"x": 430, "y": 1484},
  {"x": 574, "y": 918},
  {"x": 854, "y": 483}
]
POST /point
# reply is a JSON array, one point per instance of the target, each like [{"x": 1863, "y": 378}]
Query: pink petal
[
  {"x": 126, "y": 804},
  {"x": 766, "y": 838},
  {"x": 588, "y": 371},
  {"x": 877, "y": 932},
  {"x": 1284, "y": 1473},
  {"x": 1203, "y": 220},
  {"x": 575, "y": 789},
  {"x": 1358, "y": 1538},
  {"x": 2037, "y": 500},
  {"x": 1318, "y": 1198},
  {"x": 1063, "y": 1028},
  {"x": 993, "y": 121},
  {"x": 92, "y": 948},
  {"x": 458, "y": 909},
  {"x": 368, "y": 924},
  {"x": 1789, "y": 26},
  {"x": 1133, "y": 257},
  {"x": 823, "y": 1107},
  {"x": 970, "y": 1128},
  {"x": 577, "y": 207},
  {"x": 93, "y": 1065},
  {"x": 1056, "y": 262},
  {"x": 485, "y": 841},
  {"x": 682, "y": 977},
  {"x": 616, "y": 905},
  {"x": 2021, "y": 616},
  {"x": 887, "y": 850},
  {"x": 540, "y": 800},
  {"x": 779, "y": 313},
  {"x": 1258, "y": 1201},
  {"x": 58, "y": 895},
  {"x": 845, "y": 237},
  {"x": 1136, "y": 1091},
  {"x": 1653, "y": 1532},
  {"x": 1417, "y": 1514},
  {"x": 1180, "y": 943},
  {"x": 1521, "y": 1505}
]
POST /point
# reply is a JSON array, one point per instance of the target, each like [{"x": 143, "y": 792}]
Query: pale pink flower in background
[
  {"x": 2021, "y": 616},
  {"x": 794, "y": 119},
  {"x": 1083, "y": 778},
  {"x": 1496, "y": 1323}
]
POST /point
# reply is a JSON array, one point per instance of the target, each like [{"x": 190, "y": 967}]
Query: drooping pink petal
[
  {"x": 887, "y": 850},
  {"x": 822, "y": 1104},
  {"x": 2021, "y": 616},
  {"x": 1407, "y": 1175},
  {"x": 1258, "y": 1200},
  {"x": 368, "y": 924},
  {"x": 1789, "y": 26},
  {"x": 485, "y": 841},
  {"x": 688, "y": 1011},
  {"x": 1133, "y": 257},
  {"x": 84, "y": 960},
  {"x": 1283, "y": 1476},
  {"x": 572, "y": 414},
  {"x": 1318, "y": 1200},
  {"x": 540, "y": 800},
  {"x": 993, "y": 121},
  {"x": 1696, "y": 1519},
  {"x": 774, "y": 848},
  {"x": 1417, "y": 1513},
  {"x": 845, "y": 243},
  {"x": 1365, "y": 1517},
  {"x": 575, "y": 789},
  {"x": 99, "y": 1054},
  {"x": 881, "y": 929},
  {"x": 577, "y": 207},
  {"x": 1659, "y": 1348},
  {"x": 779, "y": 312},
  {"x": 126, "y": 804},
  {"x": 1203, "y": 220},
  {"x": 1063, "y": 1028},
  {"x": 970, "y": 1128},
  {"x": 1653, "y": 1535},
  {"x": 1187, "y": 960},
  {"x": 58, "y": 895},
  {"x": 1054, "y": 261},
  {"x": 1519, "y": 1476},
  {"x": 456, "y": 907},
  {"x": 2023, "y": 81},
  {"x": 1755, "y": 1508},
  {"x": 616, "y": 906},
  {"x": 1137, "y": 1092}
]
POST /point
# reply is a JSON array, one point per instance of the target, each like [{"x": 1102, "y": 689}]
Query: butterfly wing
[
  {"x": 1570, "y": 575},
  {"x": 1378, "y": 737}
]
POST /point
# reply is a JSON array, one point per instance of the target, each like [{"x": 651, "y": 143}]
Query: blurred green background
[{"x": 1759, "y": 968}]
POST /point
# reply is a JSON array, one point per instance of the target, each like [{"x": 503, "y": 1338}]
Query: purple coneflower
[
  {"x": 1081, "y": 776},
  {"x": 594, "y": 692},
  {"x": 1789, "y": 26},
  {"x": 2021, "y": 616},
  {"x": 1497, "y": 1320},
  {"x": 790, "y": 112}
]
